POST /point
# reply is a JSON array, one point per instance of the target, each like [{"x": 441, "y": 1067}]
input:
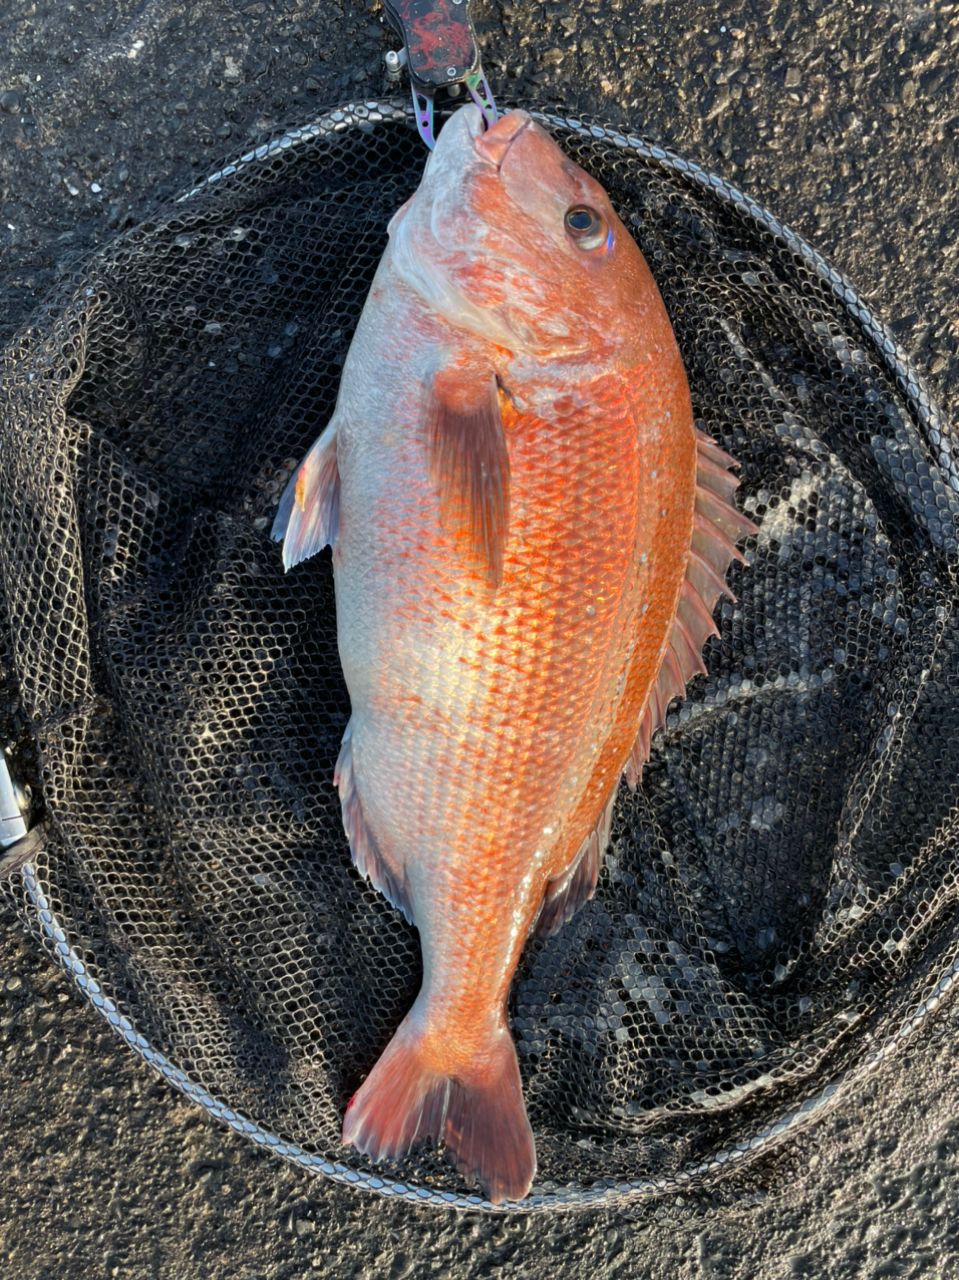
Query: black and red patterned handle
[
  {"x": 439, "y": 38},
  {"x": 441, "y": 53}
]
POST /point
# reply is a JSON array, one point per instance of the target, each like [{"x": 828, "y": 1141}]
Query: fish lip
[{"x": 495, "y": 152}]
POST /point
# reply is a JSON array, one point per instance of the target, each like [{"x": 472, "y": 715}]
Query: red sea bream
[{"x": 529, "y": 537}]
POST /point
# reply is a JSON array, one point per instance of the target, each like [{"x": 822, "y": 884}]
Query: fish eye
[{"x": 586, "y": 226}]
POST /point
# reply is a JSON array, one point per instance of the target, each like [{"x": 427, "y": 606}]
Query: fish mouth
[{"x": 493, "y": 145}]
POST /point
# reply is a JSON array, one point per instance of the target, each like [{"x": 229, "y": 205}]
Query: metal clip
[
  {"x": 396, "y": 60},
  {"x": 440, "y": 53}
]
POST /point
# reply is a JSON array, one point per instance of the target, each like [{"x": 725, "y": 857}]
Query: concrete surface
[{"x": 844, "y": 119}]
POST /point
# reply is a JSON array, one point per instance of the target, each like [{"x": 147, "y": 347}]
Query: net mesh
[{"x": 776, "y": 910}]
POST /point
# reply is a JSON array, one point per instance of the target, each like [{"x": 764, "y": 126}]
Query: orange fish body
[{"x": 529, "y": 537}]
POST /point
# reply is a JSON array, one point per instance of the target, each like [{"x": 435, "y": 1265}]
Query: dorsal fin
[
  {"x": 717, "y": 525},
  {"x": 567, "y": 892}
]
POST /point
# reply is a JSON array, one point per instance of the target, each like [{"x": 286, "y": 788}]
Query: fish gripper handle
[{"x": 439, "y": 38}]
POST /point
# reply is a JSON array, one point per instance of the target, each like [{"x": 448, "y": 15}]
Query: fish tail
[{"x": 478, "y": 1112}]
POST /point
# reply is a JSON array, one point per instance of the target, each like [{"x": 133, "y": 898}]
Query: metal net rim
[{"x": 602, "y": 1193}]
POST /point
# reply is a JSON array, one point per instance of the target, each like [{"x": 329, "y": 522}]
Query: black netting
[{"x": 777, "y": 907}]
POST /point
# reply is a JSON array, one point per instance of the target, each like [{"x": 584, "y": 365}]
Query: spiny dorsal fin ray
[
  {"x": 711, "y": 475},
  {"x": 688, "y": 652},
  {"x": 717, "y": 524},
  {"x": 708, "y": 447},
  {"x": 696, "y": 616},
  {"x": 705, "y": 581},
  {"x": 722, "y": 515}
]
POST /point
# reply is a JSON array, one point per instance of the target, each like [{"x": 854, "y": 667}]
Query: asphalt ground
[{"x": 844, "y": 119}]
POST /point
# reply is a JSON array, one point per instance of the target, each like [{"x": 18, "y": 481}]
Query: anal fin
[
  {"x": 368, "y": 859},
  {"x": 566, "y": 893}
]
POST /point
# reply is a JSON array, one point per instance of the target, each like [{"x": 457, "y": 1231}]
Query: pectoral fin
[
  {"x": 469, "y": 463},
  {"x": 309, "y": 512}
]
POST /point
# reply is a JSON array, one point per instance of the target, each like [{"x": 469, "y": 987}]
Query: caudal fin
[{"x": 479, "y": 1113}]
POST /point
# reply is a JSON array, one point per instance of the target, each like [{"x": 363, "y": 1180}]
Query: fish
[{"x": 529, "y": 536}]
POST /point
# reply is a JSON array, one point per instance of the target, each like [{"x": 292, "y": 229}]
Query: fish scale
[{"x": 529, "y": 537}]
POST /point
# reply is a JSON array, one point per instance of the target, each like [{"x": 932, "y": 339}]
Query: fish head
[{"x": 509, "y": 239}]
